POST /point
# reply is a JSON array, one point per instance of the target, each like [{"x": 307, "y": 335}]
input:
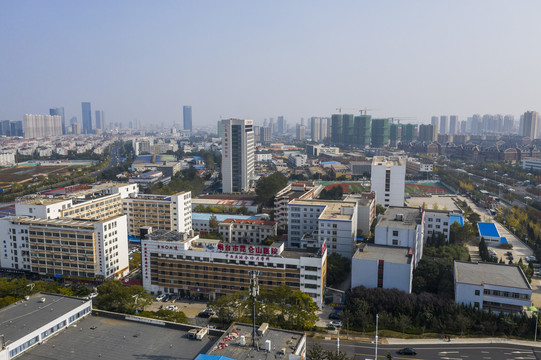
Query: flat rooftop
[
  {"x": 487, "y": 230},
  {"x": 99, "y": 337},
  {"x": 400, "y": 217},
  {"x": 333, "y": 208},
  {"x": 23, "y": 317},
  {"x": 388, "y": 161},
  {"x": 394, "y": 254},
  {"x": 490, "y": 274},
  {"x": 220, "y": 217},
  {"x": 280, "y": 339}
]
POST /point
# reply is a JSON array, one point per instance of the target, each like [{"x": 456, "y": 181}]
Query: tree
[
  {"x": 267, "y": 186},
  {"x": 114, "y": 296},
  {"x": 334, "y": 193},
  {"x": 336, "y": 355},
  {"x": 380, "y": 209},
  {"x": 213, "y": 222},
  {"x": 316, "y": 352},
  {"x": 338, "y": 269}
]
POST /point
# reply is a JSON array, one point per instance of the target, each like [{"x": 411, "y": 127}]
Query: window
[
  {"x": 477, "y": 292},
  {"x": 395, "y": 232},
  {"x": 395, "y": 242}
]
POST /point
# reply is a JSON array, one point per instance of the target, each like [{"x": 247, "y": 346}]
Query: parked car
[
  {"x": 336, "y": 323},
  {"x": 160, "y": 297},
  {"x": 335, "y": 316},
  {"x": 331, "y": 327},
  {"x": 166, "y": 298},
  {"x": 407, "y": 351},
  {"x": 206, "y": 313},
  {"x": 172, "y": 307}
]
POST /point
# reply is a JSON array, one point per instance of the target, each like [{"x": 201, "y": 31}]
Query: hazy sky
[{"x": 260, "y": 59}]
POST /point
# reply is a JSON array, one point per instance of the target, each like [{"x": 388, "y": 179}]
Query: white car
[
  {"x": 172, "y": 307},
  {"x": 336, "y": 323},
  {"x": 160, "y": 297}
]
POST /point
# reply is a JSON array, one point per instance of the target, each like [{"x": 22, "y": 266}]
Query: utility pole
[
  {"x": 536, "y": 323},
  {"x": 254, "y": 291},
  {"x": 377, "y": 318}
]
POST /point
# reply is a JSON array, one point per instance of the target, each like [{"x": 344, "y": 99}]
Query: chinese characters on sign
[{"x": 247, "y": 249}]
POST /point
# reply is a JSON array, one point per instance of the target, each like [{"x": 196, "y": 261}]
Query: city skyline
[{"x": 271, "y": 62}]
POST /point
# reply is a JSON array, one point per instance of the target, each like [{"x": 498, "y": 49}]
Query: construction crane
[
  {"x": 365, "y": 110},
  {"x": 398, "y": 118},
  {"x": 340, "y": 109}
]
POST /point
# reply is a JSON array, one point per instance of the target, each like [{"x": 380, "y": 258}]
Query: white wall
[{"x": 364, "y": 272}]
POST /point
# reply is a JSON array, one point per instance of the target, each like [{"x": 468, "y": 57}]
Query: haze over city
[{"x": 142, "y": 60}]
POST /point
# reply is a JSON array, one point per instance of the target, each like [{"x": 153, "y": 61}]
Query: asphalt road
[{"x": 443, "y": 351}]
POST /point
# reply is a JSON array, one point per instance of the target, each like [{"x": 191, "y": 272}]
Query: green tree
[
  {"x": 334, "y": 193},
  {"x": 114, "y": 296},
  {"x": 268, "y": 186},
  {"x": 336, "y": 355},
  {"x": 380, "y": 209},
  {"x": 338, "y": 269},
  {"x": 316, "y": 352}
]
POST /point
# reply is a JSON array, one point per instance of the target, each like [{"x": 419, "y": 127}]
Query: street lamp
[{"x": 536, "y": 323}]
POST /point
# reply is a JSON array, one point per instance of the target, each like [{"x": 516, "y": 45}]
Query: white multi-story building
[
  {"x": 388, "y": 177},
  {"x": 237, "y": 155},
  {"x": 166, "y": 212},
  {"x": 40, "y": 126},
  {"x": 531, "y": 165},
  {"x": 178, "y": 264},
  {"x": 298, "y": 190},
  {"x": 366, "y": 210},
  {"x": 440, "y": 221},
  {"x": 64, "y": 247},
  {"x": 402, "y": 227},
  {"x": 314, "y": 222},
  {"x": 7, "y": 158},
  {"x": 297, "y": 160},
  {"x": 490, "y": 286},
  {"x": 383, "y": 267}
]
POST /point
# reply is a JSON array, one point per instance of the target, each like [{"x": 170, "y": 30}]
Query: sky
[{"x": 144, "y": 60}]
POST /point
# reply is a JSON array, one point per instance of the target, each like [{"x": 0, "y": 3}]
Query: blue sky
[{"x": 260, "y": 59}]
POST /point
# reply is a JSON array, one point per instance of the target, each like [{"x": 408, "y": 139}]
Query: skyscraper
[
  {"x": 508, "y": 124},
  {"x": 530, "y": 124},
  {"x": 187, "y": 117},
  {"x": 59, "y": 111},
  {"x": 301, "y": 132},
  {"x": 428, "y": 133},
  {"x": 282, "y": 127},
  {"x": 453, "y": 125},
  {"x": 237, "y": 155},
  {"x": 434, "y": 121},
  {"x": 362, "y": 127},
  {"x": 443, "y": 124},
  {"x": 336, "y": 126},
  {"x": 100, "y": 119},
  {"x": 87, "y": 118}
]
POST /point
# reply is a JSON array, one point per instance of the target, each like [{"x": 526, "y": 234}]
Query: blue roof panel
[{"x": 487, "y": 230}]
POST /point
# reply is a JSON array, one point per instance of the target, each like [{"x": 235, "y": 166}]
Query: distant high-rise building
[
  {"x": 282, "y": 127},
  {"x": 40, "y": 126},
  {"x": 435, "y": 121},
  {"x": 265, "y": 135},
  {"x": 5, "y": 128},
  {"x": 395, "y": 133},
  {"x": 408, "y": 133},
  {"x": 388, "y": 177},
  {"x": 87, "y": 118},
  {"x": 475, "y": 126},
  {"x": 362, "y": 131},
  {"x": 219, "y": 129},
  {"x": 508, "y": 124},
  {"x": 301, "y": 132},
  {"x": 530, "y": 124},
  {"x": 187, "y": 117},
  {"x": 443, "y": 124},
  {"x": 237, "y": 155},
  {"x": 59, "y": 111},
  {"x": 463, "y": 125},
  {"x": 336, "y": 132},
  {"x": 380, "y": 133},
  {"x": 453, "y": 125},
  {"x": 428, "y": 133},
  {"x": 100, "y": 119}
]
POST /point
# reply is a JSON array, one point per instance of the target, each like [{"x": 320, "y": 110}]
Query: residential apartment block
[
  {"x": 298, "y": 190},
  {"x": 440, "y": 221}
]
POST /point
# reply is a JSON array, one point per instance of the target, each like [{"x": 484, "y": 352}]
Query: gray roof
[
  {"x": 118, "y": 339},
  {"x": 490, "y": 273},
  {"x": 23, "y": 317},
  {"x": 411, "y": 217},
  {"x": 395, "y": 254},
  {"x": 279, "y": 339}
]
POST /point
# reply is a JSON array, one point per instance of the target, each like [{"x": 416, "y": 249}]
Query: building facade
[
  {"x": 243, "y": 231},
  {"x": 314, "y": 222},
  {"x": 87, "y": 117},
  {"x": 207, "y": 269},
  {"x": 388, "y": 176},
  {"x": 39, "y": 126},
  {"x": 187, "y": 117},
  {"x": 237, "y": 155}
]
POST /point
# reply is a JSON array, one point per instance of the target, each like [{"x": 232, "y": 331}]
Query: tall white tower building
[
  {"x": 388, "y": 180},
  {"x": 237, "y": 155}
]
